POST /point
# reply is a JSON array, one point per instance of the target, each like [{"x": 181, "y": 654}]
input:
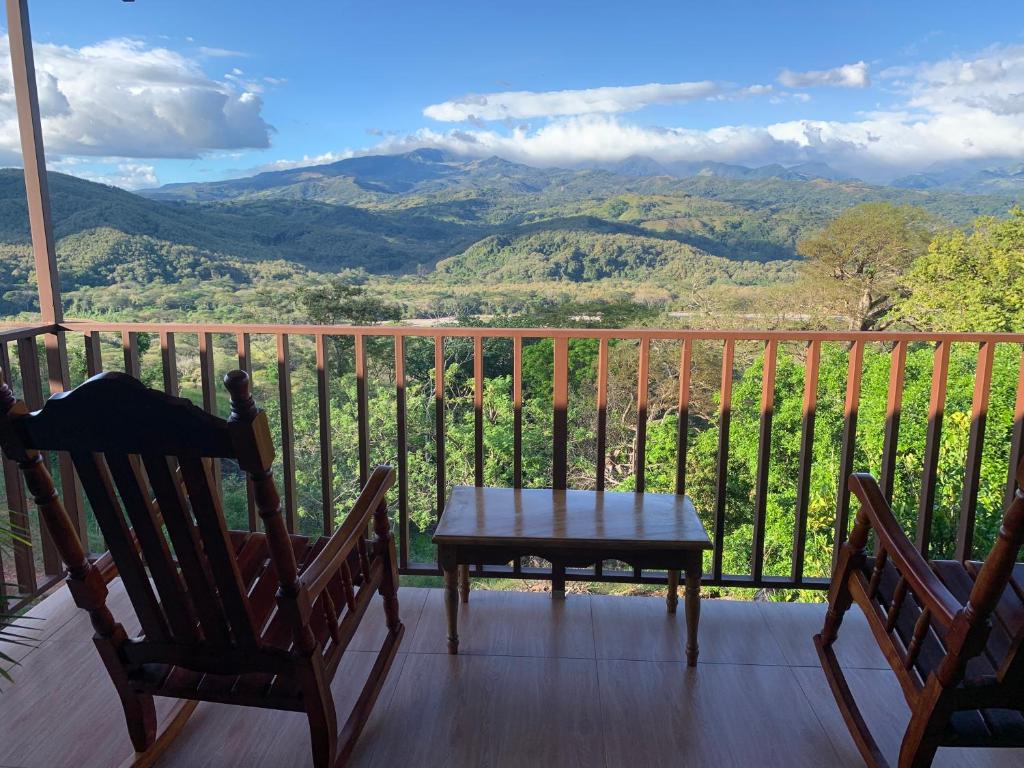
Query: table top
[{"x": 529, "y": 516}]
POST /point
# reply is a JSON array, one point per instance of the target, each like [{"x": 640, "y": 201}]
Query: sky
[{"x": 158, "y": 91}]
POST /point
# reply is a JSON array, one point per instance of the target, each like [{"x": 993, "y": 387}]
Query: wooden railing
[{"x": 20, "y": 360}]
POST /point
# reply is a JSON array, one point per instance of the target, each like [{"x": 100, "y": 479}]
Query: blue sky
[{"x": 155, "y": 92}]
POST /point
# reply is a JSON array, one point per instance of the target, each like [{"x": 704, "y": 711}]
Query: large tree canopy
[{"x": 854, "y": 267}]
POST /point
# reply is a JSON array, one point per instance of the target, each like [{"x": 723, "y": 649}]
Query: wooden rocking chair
[
  {"x": 255, "y": 619},
  {"x": 953, "y": 632}
]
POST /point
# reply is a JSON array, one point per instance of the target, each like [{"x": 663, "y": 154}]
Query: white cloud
[
  {"x": 219, "y": 53},
  {"x": 846, "y": 76},
  {"x": 127, "y": 176},
  {"x": 124, "y": 98},
  {"x": 958, "y": 109},
  {"x": 530, "y": 104},
  {"x": 323, "y": 159}
]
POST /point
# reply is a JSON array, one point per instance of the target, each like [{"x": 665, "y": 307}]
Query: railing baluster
[
  {"x": 517, "y": 412},
  {"x": 893, "y": 408},
  {"x": 93, "y": 353},
  {"x": 206, "y": 373},
  {"x": 560, "y": 416},
  {"x": 169, "y": 360},
  {"x": 442, "y": 483},
  {"x": 642, "y": 393},
  {"x": 478, "y": 410},
  {"x": 243, "y": 347},
  {"x": 933, "y": 439},
  {"x": 803, "y": 476},
  {"x": 683, "y": 408},
  {"x": 323, "y": 401},
  {"x": 722, "y": 471},
  {"x": 602, "y": 413},
  {"x": 17, "y": 505},
  {"x": 284, "y": 393},
  {"x": 560, "y": 438},
  {"x": 601, "y": 464},
  {"x": 59, "y": 380},
  {"x": 208, "y": 384},
  {"x": 402, "y": 447},
  {"x": 1017, "y": 437},
  {"x": 764, "y": 449},
  {"x": 362, "y": 409},
  {"x": 849, "y": 438},
  {"x": 32, "y": 387},
  {"x": 975, "y": 446},
  {"x": 130, "y": 349}
]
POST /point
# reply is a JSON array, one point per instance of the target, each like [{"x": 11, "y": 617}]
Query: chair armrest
[
  {"x": 911, "y": 565},
  {"x": 326, "y": 564}
]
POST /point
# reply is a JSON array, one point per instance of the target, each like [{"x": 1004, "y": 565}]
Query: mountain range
[{"x": 452, "y": 220}]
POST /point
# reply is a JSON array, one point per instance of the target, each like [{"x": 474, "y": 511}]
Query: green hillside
[{"x": 438, "y": 222}]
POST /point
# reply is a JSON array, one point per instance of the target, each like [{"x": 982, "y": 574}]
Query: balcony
[
  {"x": 760, "y": 427},
  {"x": 586, "y": 680}
]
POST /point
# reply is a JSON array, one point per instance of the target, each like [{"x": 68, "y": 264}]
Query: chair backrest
[{"x": 143, "y": 458}]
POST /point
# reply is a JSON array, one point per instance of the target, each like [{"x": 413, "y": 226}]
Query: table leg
[
  {"x": 451, "y": 606},
  {"x": 692, "y": 598},
  {"x": 464, "y": 583},
  {"x": 673, "y": 591},
  {"x": 557, "y": 581}
]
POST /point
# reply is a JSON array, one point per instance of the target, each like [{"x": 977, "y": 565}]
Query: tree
[
  {"x": 337, "y": 302},
  {"x": 854, "y": 267},
  {"x": 970, "y": 282}
]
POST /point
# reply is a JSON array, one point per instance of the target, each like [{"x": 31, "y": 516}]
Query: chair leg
[
  {"x": 174, "y": 723},
  {"x": 862, "y": 737},
  {"x": 323, "y": 720},
  {"x": 918, "y": 749},
  {"x": 140, "y": 717}
]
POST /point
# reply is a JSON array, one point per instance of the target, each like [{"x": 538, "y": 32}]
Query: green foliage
[{"x": 970, "y": 281}]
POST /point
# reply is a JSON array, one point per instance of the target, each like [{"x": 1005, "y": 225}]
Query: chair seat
[
  {"x": 978, "y": 727},
  {"x": 257, "y": 572}
]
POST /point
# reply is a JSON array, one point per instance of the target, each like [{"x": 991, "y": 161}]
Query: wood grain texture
[
  {"x": 887, "y": 718},
  {"x": 571, "y": 518},
  {"x": 661, "y": 714},
  {"x": 480, "y": 708},
  {"x": 793, "y": 626},
  {"x": 510, "y": 624},
  {"x": 493, "y": 711},
  {"x": 731, "y": 631}
]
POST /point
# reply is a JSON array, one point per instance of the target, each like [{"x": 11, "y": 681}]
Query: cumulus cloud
[
  {"x": 124, "y": 98},
  {"x": 305, "y": 160},
  {"x": 958, "y": 109},
  {"x": 531, "y": 104},
  {"x": 846, "y": 76},
  {"x": 126, "y": 176}
]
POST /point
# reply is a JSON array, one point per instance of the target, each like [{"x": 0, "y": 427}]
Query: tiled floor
[{"x": 588, "y": 681}]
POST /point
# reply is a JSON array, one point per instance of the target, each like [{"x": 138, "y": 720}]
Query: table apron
[{"x": 451, "y": 555}]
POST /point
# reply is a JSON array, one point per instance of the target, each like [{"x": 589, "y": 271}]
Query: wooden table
[{"x": 493, "y": 526}]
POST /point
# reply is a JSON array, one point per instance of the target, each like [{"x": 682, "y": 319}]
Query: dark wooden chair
[
  {"x": 953, "y": 632},
  {"x": 255, "y": 619}
]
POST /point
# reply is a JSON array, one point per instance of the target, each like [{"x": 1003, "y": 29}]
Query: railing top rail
[
  {"x": 14, "y": 332},
  {"x": 541, "y": 333}
]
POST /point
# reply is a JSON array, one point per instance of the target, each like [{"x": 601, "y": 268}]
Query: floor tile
[
  {"x": 510, "y": 624},
  {"x": 640, "y": 628},
  {"x": 492, "y": 711},
  {"x": 714, "y": 715},
  {"x": 794, "y": 626},
  {"x": 883, "y": 707}
]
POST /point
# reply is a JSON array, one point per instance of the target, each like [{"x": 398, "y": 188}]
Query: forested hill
[{"x": 450, "y": 220}]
